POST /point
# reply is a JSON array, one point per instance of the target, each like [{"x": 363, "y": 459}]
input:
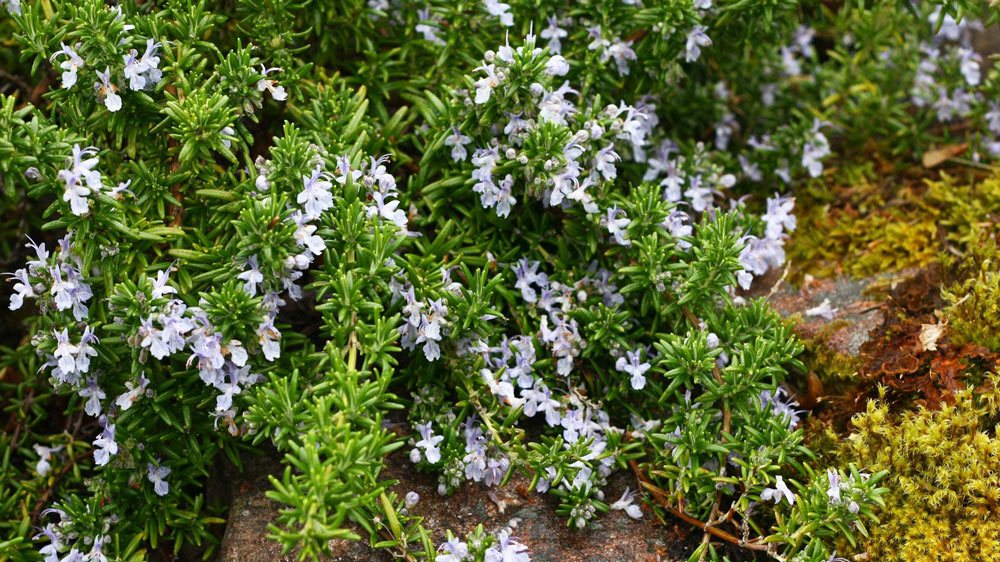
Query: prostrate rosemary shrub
[{"x": 530, "y": 226}]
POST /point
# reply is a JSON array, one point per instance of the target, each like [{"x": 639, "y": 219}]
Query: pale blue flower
[
  {"x": 696, "y": 39},
  {"x": 634, "y": 367},
  {"x": 453, "y": 550},
  {"x": 107, "y": 92},
  {"x": 44, "y": 458},
  {"x": 251, "y": 276},
  {"x": 70, "y": 65},
  {"x": 816, "y": 148},
  {"x": 485, "y": 85},
  {"x": 157, "y": 475},
  {"x": 779, "y": 492},
  {"x": 457, "y": 141},
  {"x": 779, "y": 218},
  {"x": 428, "y": 31},
  {"x": 315, "y": 196},
  {"x": 93, "y": 393},
  {"x": 626, "y": 503},
  {"x": 616, "y": 226},
  {"x": 427, "y": 446},
  {"x": 500, "y": 10},
  {"x": 554, "y": 34},
  {"x": 105, "y": 445},
  {"x": 507, "y": 549},
  {"x": 276, "y": 90}
]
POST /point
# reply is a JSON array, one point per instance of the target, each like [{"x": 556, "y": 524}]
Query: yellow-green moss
[
  {"x": 863, "y": 244},
  {"x": 833, "y": 368},
  {"x": 870, "y": 228},
  {"x": 968, "y": 211},
  {"x": 944, "y": 481},
  {"x": 974, "y": 311}
]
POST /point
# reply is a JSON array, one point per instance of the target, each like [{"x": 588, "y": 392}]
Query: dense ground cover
[{"x": 532, "y": 240}]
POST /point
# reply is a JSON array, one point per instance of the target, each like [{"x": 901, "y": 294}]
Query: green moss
[
  {"x": 833, "y": 368},
  {"x": 863, "y": 244},
  {"x": 862, "y": 226},
  {"x": 968, "y": 212},
  {"x": 944, "y": 481},
  {"x": 974, "y": 302}
]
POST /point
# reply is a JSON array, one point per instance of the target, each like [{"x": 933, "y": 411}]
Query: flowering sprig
[{"x": 528, "y": 221}]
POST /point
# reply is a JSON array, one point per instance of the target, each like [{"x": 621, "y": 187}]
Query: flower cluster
[
  {"x": 141, "y": 72},
  {"x": 480, "y": 546},
  {"x": 551, "y": 149}
]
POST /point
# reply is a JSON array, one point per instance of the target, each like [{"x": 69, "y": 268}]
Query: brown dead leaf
[
  {"x": 929, "y": 335},
  {"x": 937, "y": 156}
]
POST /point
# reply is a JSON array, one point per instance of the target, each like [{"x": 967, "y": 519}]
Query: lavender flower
[
  {"x": 132, "y": 393},
  {"x": 45, "y": 457},
  {"x": 485, "y": 85},
  {"x": 157, "y": 475},
  {"x": 94, "y": 395},
  {"x": 160, "y": 286},
  {"x": 134, "y": 71},
  {"x": 625, "y": 503},
  {"x": 616, "y": 226},
  {"x": 70, "y": 65},
  {"x": 823, "y": 310},
  {"x": 315, "y": 196},
  {"x": 563, "y": 339},
  {"x": 678, "y": 225},
  {"x": 554, "y": 34},
  {"x": 453, "y": 550},
  {"x": 779, "y": 492},
  {"x": 696, "y": 39},
  {"x": 428, "y": 332},
  {"x": 779, "y": 217},
  {"x": 22, "y": 289},
  {"x": 633, "y": 366},
  {"x": 276, "y": 90},
  {"x": 51, "y": 550},
  {"x": 527, "y": 275},
  {"x": 81, "y": 179},
  {"x": 780, "y": 405},
  {"x": 500, "y": 10},
  {"x": 107, "y": 92},
  {"x": 252, "y": 276},
  {"x": 149, "y": 63},
  {"x": 621, "y": 52},
  {"x": 507, "y": 549},
  {"x": 428, "y": 31},
  {"x": 388, "y": 209},
  {"x": 427, "y": 446},
  {"x": 815, "y": 149},
  {"x": 759, "y": 255},
  {"x": 504, "y": 198},
  {"x": 604, "y": 162},
  {"x": 268, "y": 338},
  {"x": 698, "y": 194},
  {"x": 496, "y": 468},
  {"x": 539, "y": 399},
  {"x": 457, "y": 141},
  {"x": 105, "y": 445},
  {"x": 969, "y": 66}
]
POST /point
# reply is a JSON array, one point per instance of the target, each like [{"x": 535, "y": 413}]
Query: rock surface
[
  {"x": 856, "y": 310},
  {"x": 614, "y": 537}
]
